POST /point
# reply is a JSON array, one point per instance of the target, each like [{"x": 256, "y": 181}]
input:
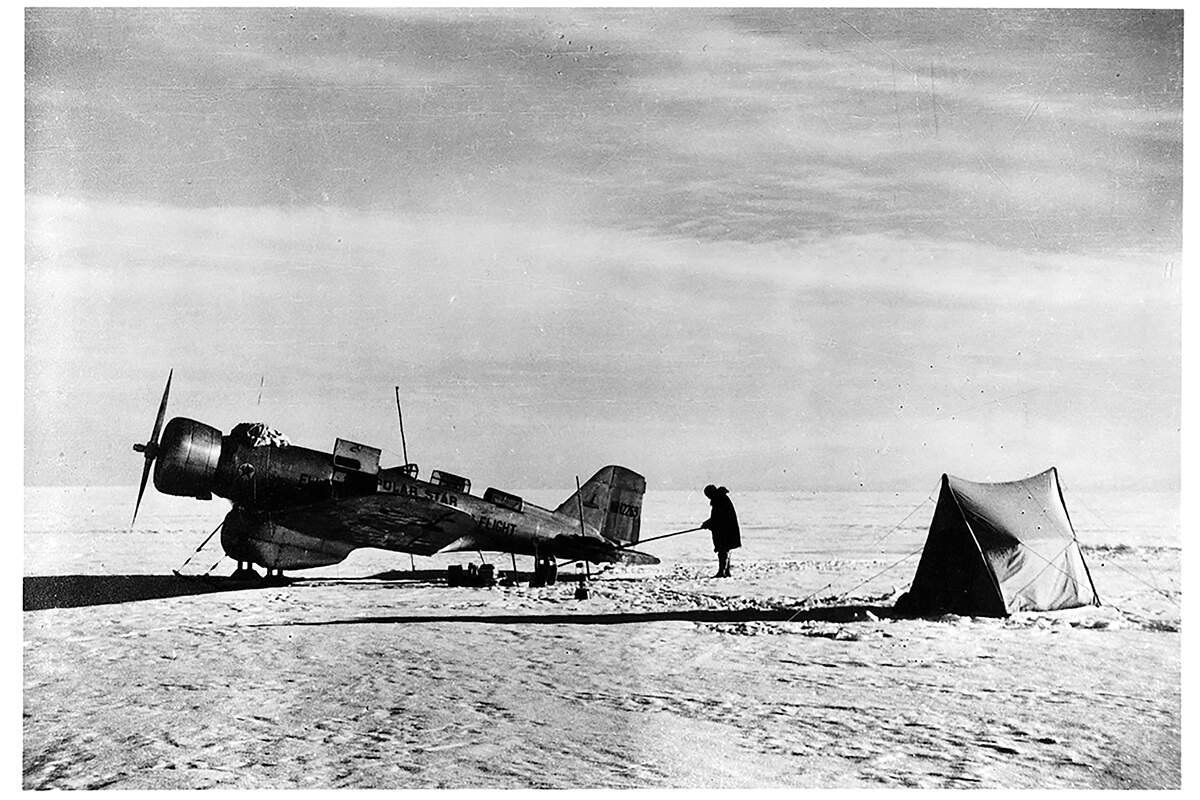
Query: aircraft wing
[{"x": 387, "y": 521}]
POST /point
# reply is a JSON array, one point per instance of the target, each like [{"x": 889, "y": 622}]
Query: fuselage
[{"x": 288, "y": 503}]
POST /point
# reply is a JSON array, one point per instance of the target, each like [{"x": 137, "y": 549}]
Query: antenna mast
[
  {"x": 400, "y": 415},
  {"x": 579, "y": 502}
]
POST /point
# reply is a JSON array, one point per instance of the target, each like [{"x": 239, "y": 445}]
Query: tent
[{"x": 997, "y": 548}]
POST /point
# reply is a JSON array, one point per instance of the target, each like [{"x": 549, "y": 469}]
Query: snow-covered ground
[{"x": 788, "y": 674}]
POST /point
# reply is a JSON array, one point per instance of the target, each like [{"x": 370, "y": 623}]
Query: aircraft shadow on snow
[
  {"x": 74, "y": 591},
  {"x": 43, "y": 592}
]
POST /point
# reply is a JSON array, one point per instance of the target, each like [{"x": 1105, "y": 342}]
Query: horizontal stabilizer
[
  {"x": 585, "y": 548},
  {"x": 637, "y": 558},
  {"x": 597, "y": 551}
]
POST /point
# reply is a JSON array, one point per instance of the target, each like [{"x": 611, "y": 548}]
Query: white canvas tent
[{"x": 997, "y": 548}]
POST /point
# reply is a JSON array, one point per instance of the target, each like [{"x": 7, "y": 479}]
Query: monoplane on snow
[{"x": 296, "y": 508}]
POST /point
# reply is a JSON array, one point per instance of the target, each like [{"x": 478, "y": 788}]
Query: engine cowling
[{"x": 187, "y": 459}]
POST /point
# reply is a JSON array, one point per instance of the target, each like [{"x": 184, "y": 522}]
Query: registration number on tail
[{"x": 624, "y": 509}]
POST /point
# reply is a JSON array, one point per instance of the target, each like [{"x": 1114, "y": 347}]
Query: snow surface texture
[{"x": 789, "y": 674}]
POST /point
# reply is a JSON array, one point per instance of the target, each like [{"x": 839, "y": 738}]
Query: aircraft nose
[{"x": 187, "y": 459}]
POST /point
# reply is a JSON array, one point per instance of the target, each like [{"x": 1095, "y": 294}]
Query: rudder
[{"x": 612, "y": 503}]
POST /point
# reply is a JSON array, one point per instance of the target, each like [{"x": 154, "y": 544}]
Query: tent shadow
[
  {"x": 847, "y": 614},
  {"x": 73, "y": 591},
  {"x": 844, "y": 614}
]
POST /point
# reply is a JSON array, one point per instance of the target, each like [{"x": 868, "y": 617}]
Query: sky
[{"x": 795, "y": 249}]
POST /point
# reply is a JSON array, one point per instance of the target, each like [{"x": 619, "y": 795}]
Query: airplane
[{"x": 296, "y": 508}]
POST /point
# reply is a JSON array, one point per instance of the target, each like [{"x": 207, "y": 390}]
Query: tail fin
[{"x": 612, "y": 502}]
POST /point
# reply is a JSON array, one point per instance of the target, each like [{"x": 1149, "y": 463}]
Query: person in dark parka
[{"x": 723, "y": 524}]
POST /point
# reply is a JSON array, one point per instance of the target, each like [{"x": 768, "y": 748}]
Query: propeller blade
[
  {"x": 142, "y": 488},
  {"x": 150, "y": 448},
  {"x": 162, "y": 409}
]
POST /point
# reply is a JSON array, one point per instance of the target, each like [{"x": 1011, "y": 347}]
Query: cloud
[
  {"x": 548, "y": 259},
  {"x": 567, "y": 320},
  {"x": 776, "y": 126},
  {"x": 611, "y": 234}
]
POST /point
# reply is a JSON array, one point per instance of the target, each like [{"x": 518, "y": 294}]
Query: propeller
[{"x": 150, "y": 448}]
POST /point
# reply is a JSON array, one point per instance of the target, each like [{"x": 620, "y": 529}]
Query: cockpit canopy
[
  {"x": 503, "y": 499},
  {"x": 450, "y": 481}
]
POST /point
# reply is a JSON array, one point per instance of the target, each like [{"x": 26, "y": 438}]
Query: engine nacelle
[{"x": 187, "y": 458}]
